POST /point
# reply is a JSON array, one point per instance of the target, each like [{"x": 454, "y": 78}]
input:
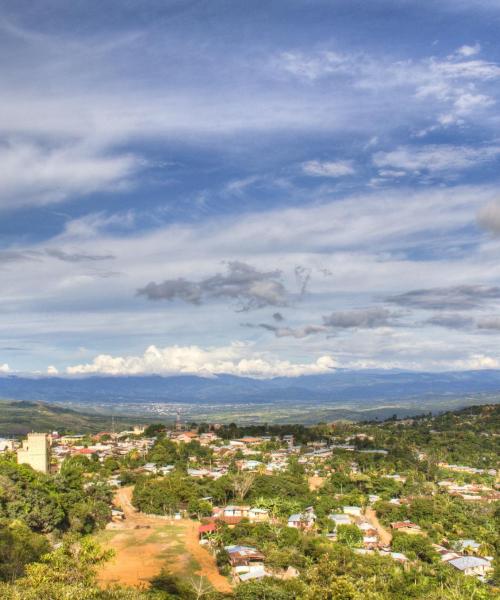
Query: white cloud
[
  {"x": 317, "y": 168},
  {"x": 236, "y": 359},
  {"x": 4, "y": 368},
  {"x": 51, "y": 370},
  {"x": 35, "y": 174},
  {"x": 447, "y": 89},
  {"x": 435, "y": 158},
  {"x": 469, "y": 50},
  {"x": 477, "y": 362},
  {"x": 315, "y": 66}
]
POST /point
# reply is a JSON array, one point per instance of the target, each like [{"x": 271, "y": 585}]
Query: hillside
[{"x": 19, "y": 417}]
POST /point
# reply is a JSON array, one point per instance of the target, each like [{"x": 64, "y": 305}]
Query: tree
[
  {"x": 349, "y": 535},
  {"x": 414, "y": 546},
  {"x": 242, "y": 482},
  {"x": 69, "y": 573},
  {"x": 19, "y": 546}
]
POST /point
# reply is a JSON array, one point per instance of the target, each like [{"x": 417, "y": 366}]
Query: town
[{"x": 262, "y": 501}]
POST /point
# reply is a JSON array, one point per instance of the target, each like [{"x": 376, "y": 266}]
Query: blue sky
[{"x": 253, "y": 188}]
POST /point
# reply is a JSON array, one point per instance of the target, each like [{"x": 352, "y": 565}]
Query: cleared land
[
  {"x": 145, "y": 544},
  {"x": 316, "y": 482}
]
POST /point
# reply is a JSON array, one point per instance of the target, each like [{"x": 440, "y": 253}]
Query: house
[
  {"x": 258, "y": 572},
  {"x": 149, "y": 467},
  {"x": 186, "y": 437},
  {"x": 198, "y": 473},
  {"x": 250, "y": 441},
  {"x": 354, "y": 511},
  {"x": 165, "y": 470},
  {"x": 305, "y": 520},
  {"x": 204, "y": 530},
  {"x": 248, "y": 465},
  {"x": 236, "y": 511},
  {"x": 71, "y": 439},
  {"x": 471, "y": 565},
  {"x": 468, "y": 545},
  {"x": 258, "y": 515},
  {"x": 208, "y": 438},
  {"x": 244, "y": 556},
  {"x": 340, "y": 519},
  {"x": 406, "y": 527},
  {"x": 231, "y": 515}
]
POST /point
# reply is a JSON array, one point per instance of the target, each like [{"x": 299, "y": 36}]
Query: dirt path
[
  {"x": 384, "y": 536},
  {"x": 208, "y": 567},
  {"x": 144, "y": 544}
]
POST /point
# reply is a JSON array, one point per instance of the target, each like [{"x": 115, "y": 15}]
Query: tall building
[{"x": 35, "y": 451}]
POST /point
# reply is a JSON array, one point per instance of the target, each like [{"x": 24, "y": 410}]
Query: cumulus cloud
[
  {"x": 458, "y": 297},
  {"x": 435, "y": 158},
  {"x": 366, "y": 318},
  {"x": 469, "y": 50},
  {"x": 476, "y": 362},
  {"x": 236, "y": 359},
  {"x": 317, "y": 168},
  {"x": 242, "y": 282},
  {"x": 4, "y": 368},
  {"x": 51, "y": 370}
]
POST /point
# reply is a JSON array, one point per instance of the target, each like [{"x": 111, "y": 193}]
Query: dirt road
[
  {"x": 384, "y": 536},
  {"x": 144, "y": 544}
]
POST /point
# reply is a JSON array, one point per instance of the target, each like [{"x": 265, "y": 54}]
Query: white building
[{"x": 35, "y": 451}]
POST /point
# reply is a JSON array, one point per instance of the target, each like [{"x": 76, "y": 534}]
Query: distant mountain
[{"x": 341, "y": 388}]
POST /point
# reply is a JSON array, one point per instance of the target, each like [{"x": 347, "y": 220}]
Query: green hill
[{"x": 20, "y": 417}]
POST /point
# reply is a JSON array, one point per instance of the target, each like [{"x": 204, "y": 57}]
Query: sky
[{"x": 255, "y": 188}]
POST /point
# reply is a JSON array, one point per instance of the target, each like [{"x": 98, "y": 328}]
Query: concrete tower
[{"x": 35, "y": 452}]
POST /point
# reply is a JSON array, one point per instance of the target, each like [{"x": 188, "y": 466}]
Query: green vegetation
[
  {"x": 20, "y": 417},
  {"x": 46, "y": 552}
]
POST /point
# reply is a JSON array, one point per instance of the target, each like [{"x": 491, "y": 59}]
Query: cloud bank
[{"x": 237, "y": 359}]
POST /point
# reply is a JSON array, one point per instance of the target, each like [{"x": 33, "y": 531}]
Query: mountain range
[{"x": 340, "y": 388}]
